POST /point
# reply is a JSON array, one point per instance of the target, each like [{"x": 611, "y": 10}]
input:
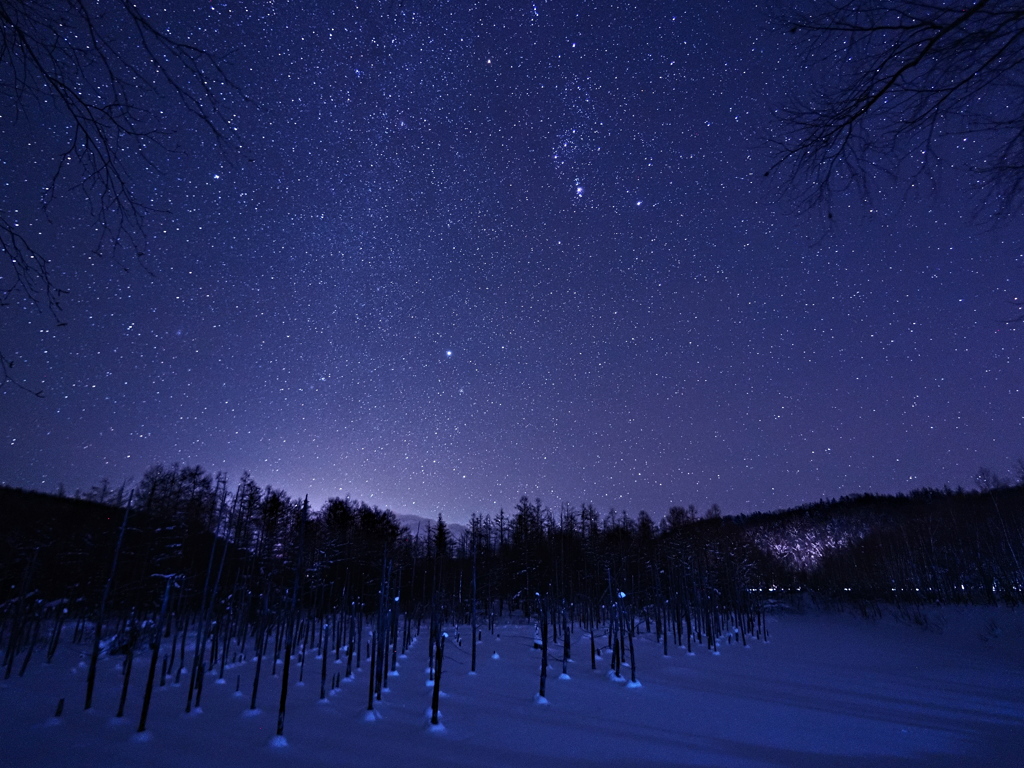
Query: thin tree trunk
[
  {"x": 565, "y": 644},
  {"x": 129, "y": 658},
  {"x": 435, "y": 700},
  {"x": 31, "y": 648},
  {"x": 90, "y": 682},
  {"x": 55, "y": 638},
  {"x": 632, "y": 656},
  {"x": 263, "y": 637},
  {"x": 543, "y": 652},
  {"x": 284, "y": 683},
  {"x": 155, "y": 645},
  {"x": 369, "y": 700},
  {"x": 323, "y": 661}
]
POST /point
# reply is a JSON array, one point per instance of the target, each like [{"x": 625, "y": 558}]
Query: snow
[{"x": 828, "y": 690}]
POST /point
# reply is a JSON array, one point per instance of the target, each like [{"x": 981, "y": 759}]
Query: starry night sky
[{"x": 470, "y": 251}]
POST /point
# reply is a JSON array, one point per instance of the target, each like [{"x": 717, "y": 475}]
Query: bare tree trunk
[
  {"x": 292, "y": 619},
  {"x": 565, "y": 644},
  {"x": 435, "y": 701},
  {"x": 31, "y": 648},
  {"x": 373, "y": 666},
  {"x": 323, "y": 661},
  {"x": 543, "y": 652},
  {"x": 129, "y": 658},
  {"x": 284, "y": 680},
  {"x": 155, "y": 645},
  {"x": 262, "y": 638},
  {"x": 472, "y": 660},
  {"x": 94, "y": 657},
  {"x": 353, "y": 642},
  {"x": 632, "y": 657},
  {"x": 55, "y": 638}
]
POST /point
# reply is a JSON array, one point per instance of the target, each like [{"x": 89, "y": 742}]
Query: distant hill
[{"x": 418, "y": 524}]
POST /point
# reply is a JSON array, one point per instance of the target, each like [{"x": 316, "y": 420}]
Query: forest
[{"x": 251, "y": 570}]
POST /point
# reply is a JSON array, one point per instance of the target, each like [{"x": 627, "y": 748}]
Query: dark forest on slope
[{"x": 266, "y": 549}]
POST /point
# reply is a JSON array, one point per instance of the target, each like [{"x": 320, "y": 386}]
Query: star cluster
[{"x": 469, "y": 252}]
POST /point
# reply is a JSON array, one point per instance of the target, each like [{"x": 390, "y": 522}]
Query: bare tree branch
[
  {"x": 110, "y": 81},
  {"x": 900, "y": 89}
]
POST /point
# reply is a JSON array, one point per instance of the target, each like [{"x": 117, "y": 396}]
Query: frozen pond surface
[{"x": 827, "y": 690}]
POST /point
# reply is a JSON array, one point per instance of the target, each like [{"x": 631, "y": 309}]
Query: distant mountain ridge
[{"x": 417, "y": 525}]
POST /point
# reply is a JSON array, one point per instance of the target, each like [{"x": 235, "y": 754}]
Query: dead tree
[
  {"x": 542, "y": 609},
  {"x": 435, "y": 699},
  {"x": 98, "y": 630},
  {"x": 154, "y": 644}
]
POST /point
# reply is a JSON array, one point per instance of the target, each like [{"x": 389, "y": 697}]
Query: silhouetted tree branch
[
  {"x": 110, "y": 84},
  {"x": 901, "y": 88}
]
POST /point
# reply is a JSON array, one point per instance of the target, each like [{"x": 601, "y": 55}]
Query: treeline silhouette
[{"x": 931, "y": 545}]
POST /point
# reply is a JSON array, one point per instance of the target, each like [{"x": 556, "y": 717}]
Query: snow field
[{"x": 828, "y": 690}]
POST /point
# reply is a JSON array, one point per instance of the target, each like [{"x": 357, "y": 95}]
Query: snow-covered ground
[{"x": 827, "y": 690}]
